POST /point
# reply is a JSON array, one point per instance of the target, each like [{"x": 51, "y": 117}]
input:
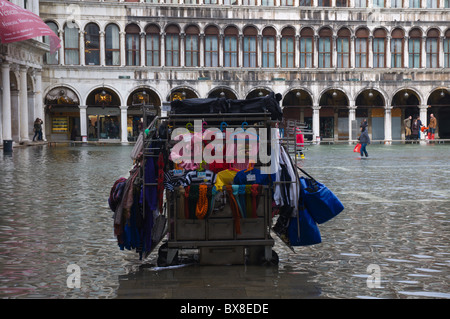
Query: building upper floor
[{"x": 404, "y": 4}]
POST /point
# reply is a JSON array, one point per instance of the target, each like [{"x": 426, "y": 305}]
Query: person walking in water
[
  {"x": 407, "y": 123},
  {"x": 37, "y": 127},
  {"x": 432, "y": 127},
  {"x": 364, "y": 139}
]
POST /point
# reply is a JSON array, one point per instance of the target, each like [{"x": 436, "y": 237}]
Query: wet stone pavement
[{"x": 54, "y": 213}]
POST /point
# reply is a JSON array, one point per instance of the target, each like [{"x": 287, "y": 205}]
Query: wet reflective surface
[{"x": 391, "y": 241}]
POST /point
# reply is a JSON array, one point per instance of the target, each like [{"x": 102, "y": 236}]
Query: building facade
[
  {"x": 21, "y": 84},
  {"x": 333, "y": 61}
]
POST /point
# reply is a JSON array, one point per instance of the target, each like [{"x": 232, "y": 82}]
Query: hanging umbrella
[{"x": 18, "y": 24}]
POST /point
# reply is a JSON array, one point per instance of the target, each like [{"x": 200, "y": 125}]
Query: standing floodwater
[{"x": 391, "y": 241}]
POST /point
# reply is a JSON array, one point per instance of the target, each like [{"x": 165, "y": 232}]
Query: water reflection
[{"x": 54, "y": 213}]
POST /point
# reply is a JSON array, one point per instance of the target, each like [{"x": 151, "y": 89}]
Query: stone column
[
  {"x": 316, "y": 52},
  {"x": 259, "y": 50},
  {"x": 142, "y": 48},
  {"x": 221, "y": 47},
  {"x": 6, "y": 103},
  {"x": 122, "y": 48},
  {"x": 441, "y": 63},
  {"x": 278, "y": 50},
  {"x": 182, "y": 55},
  {"x": 123, "y": 124},
  {"x": 83, "y": 122},
  {"x": 23, "y": 107},
  {"x": 423, "y": 52},
  {"x": 241, "y": 50},
  {"x": 102, "y": 48},
  {"x": 351, "y": 118},
  {"x": 316, "y": 122},
  {"x": 82, "y": 48},
  {"x": 38, "y": 106},
  {"x": 202, "y": 49},
  {"x": 388, "y": 124},
  {"x": 61, "y": 49},
  {"x": 162, "y": 50},
  {"x": 370, "y": 53},
  {"x": 423, "y": 118},
  {"x": 406, "y": 52},
  {"x": 388, "y": 52},
  {"x": 352, "y": 52}
]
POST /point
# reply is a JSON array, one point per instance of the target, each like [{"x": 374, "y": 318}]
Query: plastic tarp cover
[{"x": 269, "y": 103}]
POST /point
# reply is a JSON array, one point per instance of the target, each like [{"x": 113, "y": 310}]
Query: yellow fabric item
[{"x": 224, "y": 178}]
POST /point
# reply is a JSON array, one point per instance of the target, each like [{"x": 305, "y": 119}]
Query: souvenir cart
[{"x": 222, "y": 206}]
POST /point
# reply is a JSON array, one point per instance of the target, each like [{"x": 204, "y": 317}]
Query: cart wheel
[
  {"x": 162, "y": 256},
  {"x": 271, "y": 262}
]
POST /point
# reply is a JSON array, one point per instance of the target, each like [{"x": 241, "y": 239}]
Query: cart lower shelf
[{"x": 221, "y": 252}]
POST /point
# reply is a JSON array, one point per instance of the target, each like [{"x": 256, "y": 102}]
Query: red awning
[{"x": 18, "y": 24}]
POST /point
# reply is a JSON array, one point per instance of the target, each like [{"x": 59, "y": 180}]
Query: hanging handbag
[
  {"x": 303, "y": 230},
  {"x": 319, "y": 200},
  {"x": 357, "y": 148}
]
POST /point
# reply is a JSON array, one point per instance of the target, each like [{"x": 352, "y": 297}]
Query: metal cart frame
[{"x": 215, "y": 236}]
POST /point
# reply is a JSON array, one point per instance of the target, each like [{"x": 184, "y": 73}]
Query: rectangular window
[
  {"x": 211, "y": 51},
  {"x": 287, "y": 2},
  {"x": 341, "y": 3},
  {"x": 172, "y": 50},
  {"x": 267, "y": 2},
  {"x": 396, "y": 3},
  {"x": 132, "y": 47},
  {"x": 447, "y": 53},
  {"x": 210, "y": 2},
  {"x": 230, "y": 2},
  {"x": 306, "y": 52},
  {"x": 287, "y": 52},
  {"x": 414, "y": 53},
  {"x": 378, "y": 52},
  {"x": 396, "y": 53},
  {"x": 432, "y": 52},
  {"x": 250, "y": 52},
  {"x": 361, "y": 53},
  {"x": 414, "y": 3},
  {"x": 343, "y": 52},
  {"x": 71, "y": 46},
  {"x": 432, "y": 4},
  {"x": 112, "y": 48},
  {"x": 378, "y": 3},
  {"x": 248, "y": 2},
  {"x": 230, "y": 53},
  {"x": 447, "y": 4},
  {"x": 324, "y": 52},
  {"x": 268, "y": 52},
  {"x": 324, "y": 3},
  {"x": 191, "y": 50},
  {"x": 152, "y": 49},
  {"x": 305, "y": 3},
  {"x": 360, "y": 3}
]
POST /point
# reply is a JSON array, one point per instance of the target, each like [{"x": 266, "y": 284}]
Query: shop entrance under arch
[{"x": 103, "y": 114}]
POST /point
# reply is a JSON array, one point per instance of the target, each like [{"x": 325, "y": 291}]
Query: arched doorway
[
  {"x": 181, "y": 94},
  {"x": 439, "y": 106},
  {"x": 405, "y": 103},
  {"x": 332, "y": 103},
  {"x": 139, "y": 99},
  {"x": 222, "y": 92},
  {"x": 257, "y": 93},
  {"x": 370, "y": 104},
  {"x": 103, "y": 111},
  {"x": 62, "y": 112},
  {"x": 297, "y": 108}
]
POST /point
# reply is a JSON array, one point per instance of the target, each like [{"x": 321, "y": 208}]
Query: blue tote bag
[
  {"x": 320, "y": 201},
  {"x": 303, "y": 230}
]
